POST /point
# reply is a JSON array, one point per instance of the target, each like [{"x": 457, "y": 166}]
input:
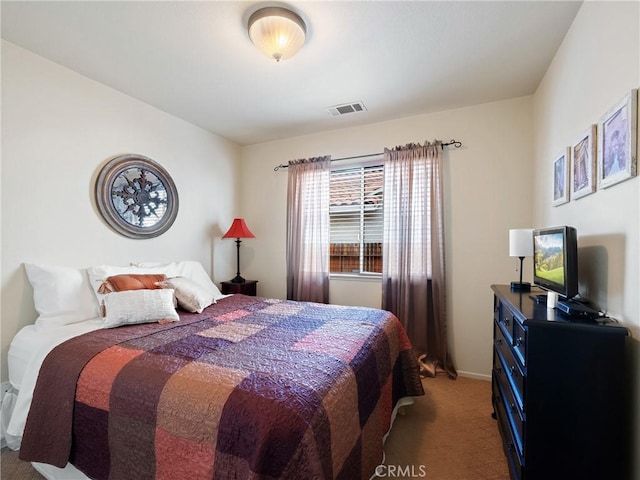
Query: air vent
[{"x": 346, "y": 108}]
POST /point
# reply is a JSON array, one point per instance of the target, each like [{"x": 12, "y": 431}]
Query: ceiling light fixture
[{"x": 279, "y": 33}]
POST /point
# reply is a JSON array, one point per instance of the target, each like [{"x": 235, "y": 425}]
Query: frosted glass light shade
[
  {"x": 277, "y": 32},
  {"x": 521, "y": 242}
]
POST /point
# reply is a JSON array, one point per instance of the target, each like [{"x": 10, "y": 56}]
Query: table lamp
[
  {"x": 238, "y": 230},
  {"x": 521, "y": 245}
]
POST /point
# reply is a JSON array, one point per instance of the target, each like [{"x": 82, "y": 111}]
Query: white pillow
[
  {"x": 190, "y": 295},
  {"x": 61, "y": 295},
  {"x": 139, "y": 306},
  {"x": 188, "y": 268},
  {"x": 100, "y": 273}
]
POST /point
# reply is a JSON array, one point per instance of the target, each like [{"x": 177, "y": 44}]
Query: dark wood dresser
[{"x": 558, "y": 391}]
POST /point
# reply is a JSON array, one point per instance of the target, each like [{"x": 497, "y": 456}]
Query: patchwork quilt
[{"x": 251, "y": 388}]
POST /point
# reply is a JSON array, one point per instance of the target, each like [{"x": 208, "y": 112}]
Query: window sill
[{"x": 358, "y": 277}]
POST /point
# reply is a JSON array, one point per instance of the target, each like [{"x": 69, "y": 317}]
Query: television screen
[{"x": 555, "y": 265}]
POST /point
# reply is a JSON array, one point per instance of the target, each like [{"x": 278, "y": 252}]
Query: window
[{"x": 356, "y": 216}]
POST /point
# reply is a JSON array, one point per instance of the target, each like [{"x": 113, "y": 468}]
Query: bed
[{"x": 248, "y": 387}]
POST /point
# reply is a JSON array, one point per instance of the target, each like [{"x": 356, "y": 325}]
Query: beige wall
[
  {"x": 58, "y": 129},
  {"x": 595, "y": 67},
  {"x": 488, "y": 190},
  {"x": 597, "y": 64}
]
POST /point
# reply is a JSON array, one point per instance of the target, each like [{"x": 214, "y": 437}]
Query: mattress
[{"x": 27, "y": 351}]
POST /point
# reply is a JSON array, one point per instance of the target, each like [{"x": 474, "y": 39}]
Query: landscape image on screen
[{"x": 549, "y": 257}]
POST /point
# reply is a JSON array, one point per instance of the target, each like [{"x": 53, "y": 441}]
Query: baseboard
[{"x": 477, "y": 376}]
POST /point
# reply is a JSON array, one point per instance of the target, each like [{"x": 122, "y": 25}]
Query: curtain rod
[{"x": 455, "y": 143}]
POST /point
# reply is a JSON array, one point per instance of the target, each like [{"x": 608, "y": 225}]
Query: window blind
[{"x": 356, "y": 219}]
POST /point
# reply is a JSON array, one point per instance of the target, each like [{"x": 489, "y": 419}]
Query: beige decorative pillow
[
  {"x": 190, "y": 295},
  {"x": 139, "y": 306}
]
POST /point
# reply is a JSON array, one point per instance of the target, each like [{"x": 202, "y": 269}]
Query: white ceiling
[{"x": 195, "y": 60}]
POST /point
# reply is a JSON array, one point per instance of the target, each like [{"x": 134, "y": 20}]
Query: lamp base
[
  {"x": 238, "y": 279},
  {"x": 521, "y": 286}
]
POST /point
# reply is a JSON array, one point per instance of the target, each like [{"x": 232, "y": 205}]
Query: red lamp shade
[{"x": 238, "y": 229}]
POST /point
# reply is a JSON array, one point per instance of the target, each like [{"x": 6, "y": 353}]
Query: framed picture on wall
[
  {"x": 617, "y": 139},
  {"x": 561, "y": 177},
  {"x": 583, "y": 164}
]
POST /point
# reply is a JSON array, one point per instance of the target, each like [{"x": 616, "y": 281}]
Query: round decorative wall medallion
[{"x": 136, "y": 196}]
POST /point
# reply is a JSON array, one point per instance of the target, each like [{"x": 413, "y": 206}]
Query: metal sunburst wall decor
[{"x": 136, "y": 196}]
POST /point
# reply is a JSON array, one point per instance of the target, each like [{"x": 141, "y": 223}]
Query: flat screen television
[{"x": 555, "y": 260}]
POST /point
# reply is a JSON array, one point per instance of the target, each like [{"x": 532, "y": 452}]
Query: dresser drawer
[
  {"x": 509, "y": 366},
  {"x": 520, "y": 341},
  {"x": 514, "y": 456},
  {"x": 509, "y": 404},
  {"x": 505, "y": 321}
]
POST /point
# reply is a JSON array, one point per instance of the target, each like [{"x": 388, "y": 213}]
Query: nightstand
[{"x": 246, "y": 288}]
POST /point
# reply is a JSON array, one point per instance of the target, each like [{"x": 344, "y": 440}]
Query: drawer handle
[
  {"x": 498, "y": 341},
  {"x": 512, "y": 407},
  {"x": 506, "y": 321},
  {"x": 513, "y": 370},
  {"x": 519, "y": 341},
  {"x": 497, "y": 371}
]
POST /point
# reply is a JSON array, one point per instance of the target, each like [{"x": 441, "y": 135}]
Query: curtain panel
[
  {"x": 413, "y": 269},
  {"x": 308, "y": 230}
]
